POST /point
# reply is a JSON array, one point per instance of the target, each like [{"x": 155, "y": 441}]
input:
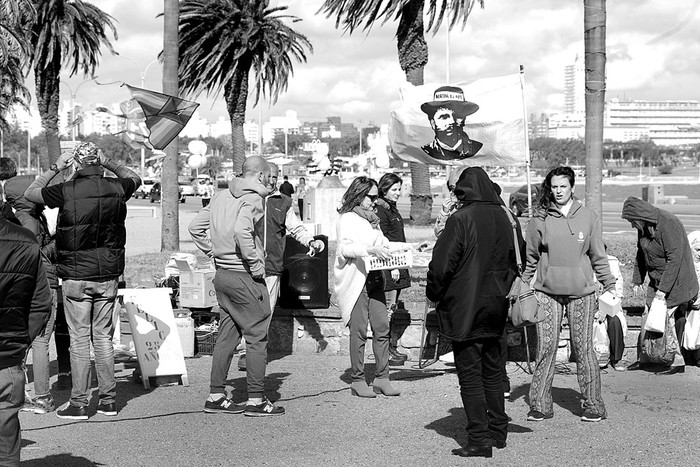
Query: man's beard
[{"x": 452, "y": 139}]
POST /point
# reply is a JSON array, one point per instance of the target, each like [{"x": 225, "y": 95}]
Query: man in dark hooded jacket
[
  {"x": 472, "y": 269},
  {"x": 663, "y": 254}
]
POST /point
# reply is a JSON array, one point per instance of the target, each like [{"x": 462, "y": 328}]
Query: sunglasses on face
[{"x": 372, "y": 198}]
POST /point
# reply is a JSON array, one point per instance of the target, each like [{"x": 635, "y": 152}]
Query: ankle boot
[
  {"x": 383, "y": 386},
  {"x": 395, "y": 354},
  {"x": 360, "y": 389}
]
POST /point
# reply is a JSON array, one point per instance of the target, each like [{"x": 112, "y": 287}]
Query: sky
[{"x": 652, "y": 49}]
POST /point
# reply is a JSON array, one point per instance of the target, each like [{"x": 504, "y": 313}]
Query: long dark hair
[
  {"x": 546, "y": 196},
  {"x": 386, "y": 182},
  {"x": 355, "y": 193}
]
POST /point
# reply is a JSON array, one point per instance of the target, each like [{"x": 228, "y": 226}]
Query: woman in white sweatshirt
[{"x": 360, "y": 292}]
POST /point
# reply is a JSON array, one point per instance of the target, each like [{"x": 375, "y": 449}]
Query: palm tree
[
  {"x": 14, "y": 52},
  {"x": 65, "y": 32},
  {"x": 594, "y": 39},
  {"x": 221, "y": 41},
  {"x": 412, "y": 51}
]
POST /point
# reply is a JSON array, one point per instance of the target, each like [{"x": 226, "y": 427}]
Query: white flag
[{"x": 481, "y": 123}]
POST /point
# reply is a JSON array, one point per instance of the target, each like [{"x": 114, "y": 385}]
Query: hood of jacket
[
  {"x": 240, "y": 186},
  {"x": 636, "y": 209},
  {"x": 474, "y": 186},
  {"x": 14, "y": 192}
]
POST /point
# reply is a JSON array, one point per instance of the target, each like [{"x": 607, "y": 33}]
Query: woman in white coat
[{"x": 360, "y": 292}]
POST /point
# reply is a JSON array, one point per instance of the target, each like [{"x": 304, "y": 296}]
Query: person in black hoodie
[
  {"x": 664, "y": 255},
  {"x": 469, "y": 277},
  {"x": 395, "y": 280},
  {"x": 25, "y": 306}
]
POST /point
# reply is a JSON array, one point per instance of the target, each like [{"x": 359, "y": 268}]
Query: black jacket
[
  {"x": 91, "y": 235},
  {"x": 474, "y": 263},
  {"x": 391, "y": 224},
  {"x": 31, "y": 216},
  {"x": 663, "y": 253},
  {"x": 25, "y": 297}
]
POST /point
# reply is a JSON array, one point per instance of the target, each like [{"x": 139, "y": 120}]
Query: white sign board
[{"x": 154, "y": 332}]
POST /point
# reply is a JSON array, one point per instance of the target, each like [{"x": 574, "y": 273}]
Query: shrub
[{"x": 665, "y": 169}]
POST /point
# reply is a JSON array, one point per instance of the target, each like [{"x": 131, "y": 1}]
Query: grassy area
[{"x": 141, "y": 270}]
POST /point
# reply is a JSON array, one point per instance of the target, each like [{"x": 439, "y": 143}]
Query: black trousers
[{"x": 481, "y": 386}]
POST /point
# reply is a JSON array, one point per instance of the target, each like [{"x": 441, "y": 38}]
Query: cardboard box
[{"x": 196, "y": 286}]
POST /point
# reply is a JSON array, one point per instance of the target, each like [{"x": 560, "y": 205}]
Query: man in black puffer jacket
[
  {"x": 25, "y": 306},
  {"x": 90, "y": 241}
]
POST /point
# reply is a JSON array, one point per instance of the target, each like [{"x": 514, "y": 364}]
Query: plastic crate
[{"x": 206, "y": 341}]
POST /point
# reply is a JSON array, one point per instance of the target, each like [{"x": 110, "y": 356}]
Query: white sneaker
[{"x": 448, "y": 357}]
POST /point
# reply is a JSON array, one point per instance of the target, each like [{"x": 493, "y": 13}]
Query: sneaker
[
  {"x": 589, "y": 415},
  {"x": 223, "y": 405},
  {"x": 72, "y": 412},
  {"x": 506, "y": 394},
  {"x": 537, "y": 416},
  {"x": 64, "y": 381},
  {"x": 449, "y": 357},
  {"x": 241, "y": 363},
  {"x": 263, "y": 410},
  {"x": 44, "y": 404},
  {"x": 107, "y": 409}
]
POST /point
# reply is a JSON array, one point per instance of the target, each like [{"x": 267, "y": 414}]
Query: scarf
[{"x": 367, "y": 214}]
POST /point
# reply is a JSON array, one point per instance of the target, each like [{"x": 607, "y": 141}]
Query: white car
[
  {"x": 144, "y": 190},
  {"x": 186, "y": 187}
]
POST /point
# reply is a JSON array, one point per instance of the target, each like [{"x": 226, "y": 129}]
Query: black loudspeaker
[{"x": 304, "y": 281}]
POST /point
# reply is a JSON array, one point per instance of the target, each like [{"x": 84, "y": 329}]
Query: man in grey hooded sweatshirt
[{"x": 234, "y": 222}]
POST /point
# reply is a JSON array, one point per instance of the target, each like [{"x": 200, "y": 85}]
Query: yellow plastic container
[{"x": 185, "y": 327}]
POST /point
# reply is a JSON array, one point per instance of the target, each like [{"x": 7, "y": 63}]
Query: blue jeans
[
  {"x": 89, "y": 309},
  {"x": 11, "y": 400},
  {"x": 40, "y": 354}
]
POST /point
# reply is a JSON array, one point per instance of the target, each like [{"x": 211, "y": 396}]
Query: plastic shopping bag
[
  {"x": 691, "y": 333},
  {"x": 656, "y": 319},
  {"x": 601, "y": 343}
]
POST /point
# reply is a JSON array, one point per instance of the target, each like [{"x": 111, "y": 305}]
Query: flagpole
[
  {"x": 448, "y": 168},
  {"x": 527, "y": 142}
]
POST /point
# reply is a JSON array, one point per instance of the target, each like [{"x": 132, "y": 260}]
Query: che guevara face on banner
[{"x": 446, "y": 114}]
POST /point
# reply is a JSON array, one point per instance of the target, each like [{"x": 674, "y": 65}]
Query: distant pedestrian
[
  {"x": 302, "y": 191},
  {"x": 469, "y": 276},
  {"x": 24, "y": 311},
  {"x": 360, "y": 291},
  {"x": 665, "y": 256},
  {"x": 89, "y": 264},
  {"x": 207, "y": 193},
  {"x": 230, "y": 230},
  {"x": 565, "y": 254},
  {"x": 286, "y": 188}
]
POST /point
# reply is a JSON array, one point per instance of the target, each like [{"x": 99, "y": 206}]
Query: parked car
[
  {"x": 144, "y": 190},
  {"x": 187, "y": 187},
  {"x": 155, "y": 193},
  {"x": 517, "y": 201}
]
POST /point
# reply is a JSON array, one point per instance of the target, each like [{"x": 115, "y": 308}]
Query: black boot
[{"x": 395, "y": 354}]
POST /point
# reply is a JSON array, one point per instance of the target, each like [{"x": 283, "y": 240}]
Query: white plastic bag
[
  {"x": 691, "y": 333},
  {"x": 656, "y": 319},
  {"x": 601, "y": 343}
]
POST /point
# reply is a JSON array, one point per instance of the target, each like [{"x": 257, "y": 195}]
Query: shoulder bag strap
[{"x": 514, "y": 224}]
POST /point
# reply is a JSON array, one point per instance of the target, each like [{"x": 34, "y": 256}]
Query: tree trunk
[
  {"x": 594, "y": 38},
  {"x": 413, "y": 56},
  {"x": 47, "y": 99},
  {"x": 236, "y": 93},
  {"x": 170, "y": 224}
]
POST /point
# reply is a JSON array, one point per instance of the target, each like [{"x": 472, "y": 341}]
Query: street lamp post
[{"x": 72, "y": 103}]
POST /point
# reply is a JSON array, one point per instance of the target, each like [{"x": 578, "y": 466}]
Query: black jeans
[{"x": 481, "y": 386}]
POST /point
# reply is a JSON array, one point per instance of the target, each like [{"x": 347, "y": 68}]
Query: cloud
[{"x": 357, "y": 76}]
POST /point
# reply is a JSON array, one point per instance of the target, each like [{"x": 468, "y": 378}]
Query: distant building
[
  {"x": 574, "y": 87},
  {"x": 667, "y": 123}
]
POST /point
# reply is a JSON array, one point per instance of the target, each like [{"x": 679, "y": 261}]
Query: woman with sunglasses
[{"x": 360, "y": 292}]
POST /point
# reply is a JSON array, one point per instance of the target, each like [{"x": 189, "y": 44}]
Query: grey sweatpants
[{"x": 245, "y": 308}]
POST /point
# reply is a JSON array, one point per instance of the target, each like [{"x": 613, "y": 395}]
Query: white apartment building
[
  {"x": 668, "y": 123},
  {"x": 574, "y": 87}
]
